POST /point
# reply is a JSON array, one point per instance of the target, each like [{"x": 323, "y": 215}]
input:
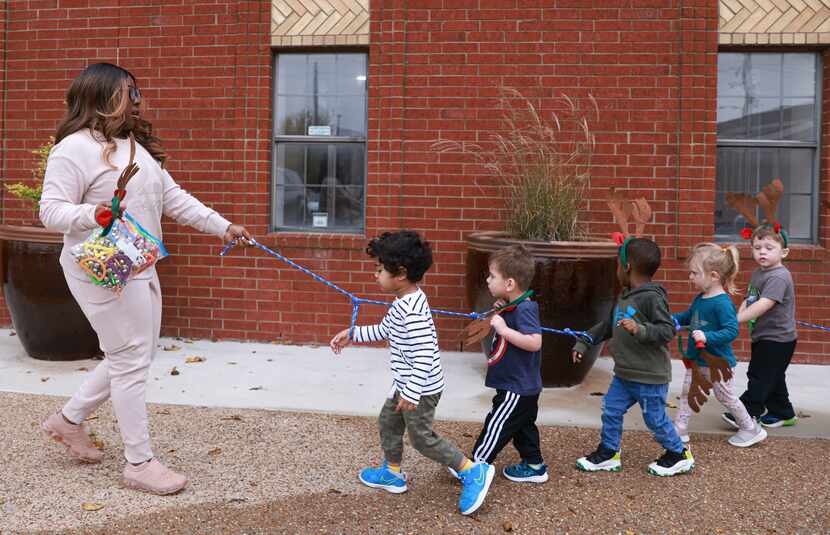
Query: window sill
[{"x": 313, "y": 240}]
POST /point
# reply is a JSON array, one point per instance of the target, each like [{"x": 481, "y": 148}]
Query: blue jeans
[{"x": 621, "y": 396}]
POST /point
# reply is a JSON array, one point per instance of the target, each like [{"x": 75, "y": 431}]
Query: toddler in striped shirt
[{"x": 418, "y": 379}]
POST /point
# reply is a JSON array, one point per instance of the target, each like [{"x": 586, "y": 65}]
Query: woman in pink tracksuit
[{"x": 92, "y": 147}]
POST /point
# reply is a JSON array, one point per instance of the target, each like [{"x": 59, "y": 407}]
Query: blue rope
[
  {"x": 812, "y": 325},
  {"x": 357, "y": 301}
]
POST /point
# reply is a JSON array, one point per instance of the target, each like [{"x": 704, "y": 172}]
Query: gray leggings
[{"x": 419, "y": 424}]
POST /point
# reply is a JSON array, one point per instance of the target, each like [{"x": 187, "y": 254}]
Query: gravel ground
[{"x": 254, "y": 471}]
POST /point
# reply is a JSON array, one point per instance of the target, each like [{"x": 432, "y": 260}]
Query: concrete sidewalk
[{"x": 303, "y": 378}]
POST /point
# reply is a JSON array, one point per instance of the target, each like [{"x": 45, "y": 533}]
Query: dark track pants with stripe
[{"x": 513, "y": 417}]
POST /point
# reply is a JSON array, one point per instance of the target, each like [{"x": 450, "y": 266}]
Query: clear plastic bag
[{"x": 112, "y": 259}]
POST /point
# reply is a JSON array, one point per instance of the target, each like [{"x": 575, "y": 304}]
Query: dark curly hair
[{"x": 403, "y": 249}]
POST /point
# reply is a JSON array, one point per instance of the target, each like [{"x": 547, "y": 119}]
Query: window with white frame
[
  {"x": 768, "y": 128},
  {"x": 319, "y": 159}
]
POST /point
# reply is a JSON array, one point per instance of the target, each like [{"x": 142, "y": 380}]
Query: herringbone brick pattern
[
  {"x": 774, "y": 22},
  {"x": 319, "y": 22}
]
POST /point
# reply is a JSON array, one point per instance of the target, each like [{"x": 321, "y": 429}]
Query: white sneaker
[
  {"x": 746, "y": 438},
  {"x": 672, "y": 464}
]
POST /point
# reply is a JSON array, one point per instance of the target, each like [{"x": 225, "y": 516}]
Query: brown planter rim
[
  {"x": 494, "y": 240},
  {"x": 29, "y": 234}
]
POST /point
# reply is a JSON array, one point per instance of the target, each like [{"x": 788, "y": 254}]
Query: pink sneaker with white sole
[
  {"x": 153, "y": 477},
  {"x": 74, "y": 437}
]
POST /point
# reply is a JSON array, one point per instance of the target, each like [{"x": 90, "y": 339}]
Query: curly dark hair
[{"x": 403, "y": 249}]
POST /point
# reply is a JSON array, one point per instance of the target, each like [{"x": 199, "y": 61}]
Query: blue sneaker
[
  {"x": 475, "y": 483},
  {"x": 524, "y": 473},
  {"x": 768, "y": 420},
  {"x": 383, "y": 478}
]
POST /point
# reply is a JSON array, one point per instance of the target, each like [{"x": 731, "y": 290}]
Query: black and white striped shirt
[{"x": 413, "y": 344}]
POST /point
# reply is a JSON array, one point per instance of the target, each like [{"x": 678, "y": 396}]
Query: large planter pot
[
  {"x": 575, "y": 286},
  {"x": 48, "y": 321}
]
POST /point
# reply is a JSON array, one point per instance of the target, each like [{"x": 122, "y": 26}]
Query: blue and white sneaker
[
  {"x": 524, "y": 473},
  {"x": 383, "y": 478},
  {"x": 476, "y": 482}
]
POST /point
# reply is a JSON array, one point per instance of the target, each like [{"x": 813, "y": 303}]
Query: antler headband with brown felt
[
  {"x": 623, "y": 210},
  {"x": 768, "y": 199}
]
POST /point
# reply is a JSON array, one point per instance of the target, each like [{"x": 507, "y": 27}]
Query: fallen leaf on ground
[
  {"x": 171, "y": 347},
  {"x": 171, "y": 450},
  {"x": 334, "y": 491},
  {"x": 88, "y": 418},
  {"x": 507, "y": 526},
  {"x": 44, "y": 379},
  {"x": 255, "y": 388},
  {"x": 83, "y": 369},
  {"x": 194, "y": 359},
  {"x": 215, "y": 451},
  {"x": 163, "y": 411},
  {"x": 597, "y": 393},
  {"x": 237, "y": 500},
  {"x": 174, "y": 371},
  {"x": 96, "y": 440},
  {"x": 92, "y": 506},
  {"x": 234, "y": 417},
  {"x": 629, "y": 531}
]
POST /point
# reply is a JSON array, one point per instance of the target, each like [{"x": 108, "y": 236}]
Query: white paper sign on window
[
  {"x": 319, "y": 130},
  {"x": 320, "y": 219}
]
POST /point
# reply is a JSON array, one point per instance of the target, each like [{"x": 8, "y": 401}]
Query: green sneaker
[{"x": 769, "y": 420}]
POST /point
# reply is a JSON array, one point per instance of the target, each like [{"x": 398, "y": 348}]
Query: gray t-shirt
[{"x": 778, "y": 323}]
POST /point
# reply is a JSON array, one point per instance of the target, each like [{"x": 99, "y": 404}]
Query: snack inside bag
[{"x": 125, "y": 250}]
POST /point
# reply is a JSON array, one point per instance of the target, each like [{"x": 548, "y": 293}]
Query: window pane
[
  {"x": 349, "y": 206},
  {"x": 324, "y": 90},
  {"x": 798, "y": 119},
  {"x": 292, "y": 115},
  {"x": 797, "y": 211},
  {"x": 730, "y": 75},
  {"x": 319, "y": 185},
  {"x": 747, "y": 169},
  {"x": 799, "y": 75},
  {"x": 766, "y": 96},
  {"x": 292, "y": 206}
]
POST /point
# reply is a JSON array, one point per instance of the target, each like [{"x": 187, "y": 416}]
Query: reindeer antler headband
[
  {"x": 624, "y": 209},
  {"x": 767, "y": 199}
]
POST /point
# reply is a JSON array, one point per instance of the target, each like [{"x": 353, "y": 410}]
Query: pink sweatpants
[
  {"x": 128, "y": 327},
  {"x": 724, "y": 392}
]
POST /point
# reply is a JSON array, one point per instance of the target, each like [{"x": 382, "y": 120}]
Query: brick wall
[{"x": 435, "y": 67}]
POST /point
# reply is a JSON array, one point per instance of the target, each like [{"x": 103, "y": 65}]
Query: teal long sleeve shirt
[{"x": 716, "y": 317}]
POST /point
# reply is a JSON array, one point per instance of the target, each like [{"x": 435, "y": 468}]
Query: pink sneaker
[
  {"x": 74, "y": 437},
  {"x": 153, "y": 477}
]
